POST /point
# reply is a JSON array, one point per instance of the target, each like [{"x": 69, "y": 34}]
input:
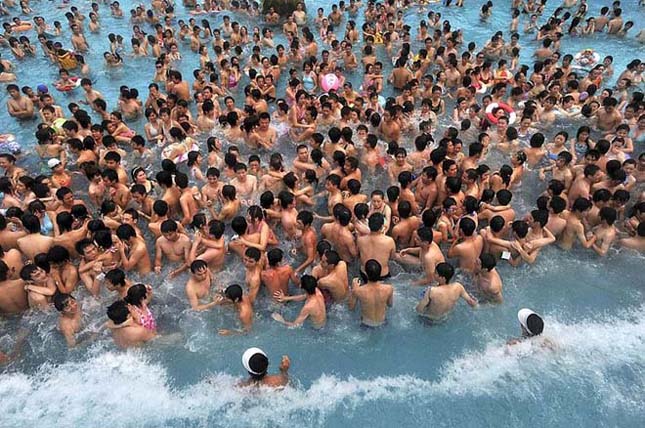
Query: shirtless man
[
  {"x": 403, "y": 230},
  {"x": 581, "y": 187},
  {"x": 400, "y": 75},
  {"x": 308, "y": 239},
  {"x": 212, "y": 248},
  {"x": 174, "y": 246},
  {"x": 62, "y": 271},
  {"x": 264, "y": 135},
  {"x": 314, "y": 307},
  {"x": 575, "y": 228},
  {"x": 137, "y": 257},
  {"x": 198, "y": 287},
  {"x": 634, "y": 242},
  {"x": 130, "y": 335},
  {"x": 9, "y": 235},
  {"x": 13, "y": 296},
  {"x": 605, "y": 232},
  {"x": 428, "y": 254},
  {"x": 39, "y": 286},
  {"x": 470, "y": 247},
  {"x": 438, "y": 301},
  {"x": 376, "y": 246},
  {"x": 276, "y": 277},
  {"x": 339, "y": 234},
  {"x": 253, "y": 275},
  {"x": 374, "y": 296},
  {"x": 178, "y": 86},
  {"x": 19, "y": 106},
  {"x": 332, "y": 277},
  {"x": 242, "y": 304},
  {"x": 246, "y": 185},
  {"x": 188, "y": 198},
  {"x": 69, "y": 321},
  {"x": 34, "y": 243},
  {"x": 487, "y": 278}
]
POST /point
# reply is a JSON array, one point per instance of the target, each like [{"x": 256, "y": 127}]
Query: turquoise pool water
[{"x": 458, "y": 373}]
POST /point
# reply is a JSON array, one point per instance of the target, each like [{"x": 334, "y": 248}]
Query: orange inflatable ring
[{"x": 510, "y": 113}]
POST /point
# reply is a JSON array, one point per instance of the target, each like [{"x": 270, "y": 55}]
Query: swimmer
[
  {"x": 374, "y": 297},
  {"x": 242, "y": 304},
  {"x": 314, "y": 307},
  {"x": 532, "y": 326},
  {"x": 437, "y": 302},
  {"x": 130, "y": 335},
  {"x": 256, "y": 363},
  {"x": 69, "y": 321}
]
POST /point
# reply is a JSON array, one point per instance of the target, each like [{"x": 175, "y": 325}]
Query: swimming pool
[{"x": 407, "y": 374}]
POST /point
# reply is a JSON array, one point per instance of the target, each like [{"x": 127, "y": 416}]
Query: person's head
[
  {"x": 169, "y": 230},
  {"x": 444, "y": 272},
  {"x": 255, "y": 362},
  {"x": 376, "y": 222},
  {"x": 467, "y": 226},
  {"x": 234, "y": 293},
  {"x": 373, "y": 270},
  {"x": 530, "y": 323},
  {"x": 251, "y": 257},
  {"x": 308, "y": 283},
  {"x": 487, "y": 261},
  {"x": 274, "y": 256},
  {"x": 118, "y": 312},
  {"x": 64, "y": 303}
]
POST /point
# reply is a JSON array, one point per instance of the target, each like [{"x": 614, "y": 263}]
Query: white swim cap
[
  {"x": 533, "y": 326},
  {"x": 246, "y": 361}
]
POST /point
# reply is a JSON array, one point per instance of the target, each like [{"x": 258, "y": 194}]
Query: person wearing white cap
[
  {"x": 256, "y": 363},
  {"x": 531, "y": 324}
]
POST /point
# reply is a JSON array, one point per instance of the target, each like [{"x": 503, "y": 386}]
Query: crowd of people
[{"x": 269, "y": 143}]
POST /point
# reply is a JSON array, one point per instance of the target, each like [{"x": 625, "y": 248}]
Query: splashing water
[{"x": 128, "y": 389}]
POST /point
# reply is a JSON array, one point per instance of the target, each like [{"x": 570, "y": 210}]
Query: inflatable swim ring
[
  {"x": 24, "y": 26},
  {"x": 57, "y": 125},
  {"x": 76, "y": 82},
  {"x": 586, "y": 58},
  {"x": 8, "y": 144},
  {"x": 510, "y": 113}
]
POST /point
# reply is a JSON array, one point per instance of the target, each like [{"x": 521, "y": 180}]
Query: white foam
[{"x": 127, "y": 389}]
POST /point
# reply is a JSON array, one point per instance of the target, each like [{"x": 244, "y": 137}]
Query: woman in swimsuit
[
  {"x": 153, "y": 127},
  {"x": 137, "y": 299}
]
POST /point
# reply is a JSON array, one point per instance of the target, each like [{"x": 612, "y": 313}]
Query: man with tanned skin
[
  {"x": 308, "y": 238},
  {"x": 575, "y": 228},
  {"x": 339, "y": 235},
  {"x": 199, "y": 285},
  {"x": 19, "y": 106},
  {"x": 174, "y": 246},
  {"x": 214, "y": 246},
  {"x": 242, "y": 304},
  {"x": 487, "y": 278},
  {"x": 131, "y": 334},
  {"x": 469, "y": 248},
  {"x": 137, "y": 257},
  {"x": 332, "y": 277},
  {"x": 34, "y": 243},
  {"x": 314, "y": 307},
  {"x": 428, "y": 254},
  {"x": 253, "y": 276},
  {"x": 69, "y": 321},
  {"x": 276, "y": 276},
  {"x": 377, "y": 246},
  {"x": 438, "y": 301},
  {"x": 13, "y": 298},
  {"x": 374, "y": 296}
]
